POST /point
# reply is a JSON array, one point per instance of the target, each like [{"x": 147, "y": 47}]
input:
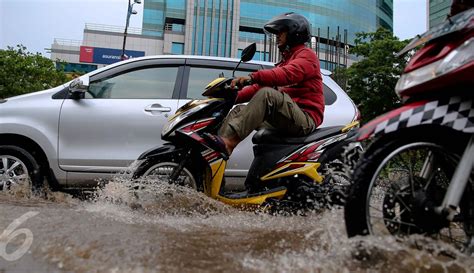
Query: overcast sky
[{"x": 36, "y": 23}]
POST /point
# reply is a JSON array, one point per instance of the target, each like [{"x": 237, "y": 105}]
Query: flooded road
[{"x": 173, "y": 229}]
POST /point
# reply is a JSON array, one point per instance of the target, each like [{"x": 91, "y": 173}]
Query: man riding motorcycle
[
  {"x": 288, "y": 97},
  {"x": 295, "y": 166}
]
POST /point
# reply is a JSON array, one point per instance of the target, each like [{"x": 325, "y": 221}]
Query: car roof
[{"x": 195, "y": 57}]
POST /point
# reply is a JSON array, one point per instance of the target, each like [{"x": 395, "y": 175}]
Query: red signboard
[{"x": 86, "y": 54}]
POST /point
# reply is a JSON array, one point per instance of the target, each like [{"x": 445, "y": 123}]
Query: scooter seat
[{"x": 274, "y": 136}]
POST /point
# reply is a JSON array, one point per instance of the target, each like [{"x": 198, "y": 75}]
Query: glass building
[
  {"x": 225, "y": 27},
  {"x": 438, "y": 10}
]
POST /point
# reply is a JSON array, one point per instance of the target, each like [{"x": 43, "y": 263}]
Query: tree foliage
[
  {"x": 371, "y": 81},
  {"x": 24, "y": 72}
]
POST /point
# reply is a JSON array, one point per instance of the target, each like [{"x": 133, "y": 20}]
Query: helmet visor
[{"x": 274, "y": 28}]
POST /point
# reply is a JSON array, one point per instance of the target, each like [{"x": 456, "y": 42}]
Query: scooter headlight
[
  {"x": 171, "y": 125},
  {"x": 460, "y": 56},
  {"x": 457, "y": 58}
]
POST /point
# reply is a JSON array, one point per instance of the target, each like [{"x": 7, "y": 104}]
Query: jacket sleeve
[
  {"x": 291, "y": 73},
  {"x": 247, "y": 93}
]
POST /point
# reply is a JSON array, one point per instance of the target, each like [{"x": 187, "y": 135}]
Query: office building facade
[
  {"x": 224, "y": 27},
  {"x": 438, "y": 10}
]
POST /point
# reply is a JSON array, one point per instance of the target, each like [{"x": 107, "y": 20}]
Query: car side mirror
[{"x": 78, "y": 87}]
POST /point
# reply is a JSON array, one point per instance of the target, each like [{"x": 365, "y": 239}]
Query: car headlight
[{"x": 457, "y": 58}]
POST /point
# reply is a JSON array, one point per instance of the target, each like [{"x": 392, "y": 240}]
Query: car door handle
[{"x": 157, "y": 108}]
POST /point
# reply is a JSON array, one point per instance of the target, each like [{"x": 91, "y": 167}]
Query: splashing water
[
  {"x": 151, "y": 226},
  {"x": 155, "y": 197},
  {"x": 22, "y": 193}
]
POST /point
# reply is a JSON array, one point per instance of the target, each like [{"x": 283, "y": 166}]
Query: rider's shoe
[{"x": 217, "y": 142}]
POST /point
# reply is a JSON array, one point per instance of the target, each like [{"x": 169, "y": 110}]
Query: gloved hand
[
  {"x": 241, "y": 82},
  {"x": 232, "y": 95}
]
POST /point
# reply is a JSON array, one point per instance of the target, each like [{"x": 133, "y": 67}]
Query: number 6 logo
[{"x": 9, "y": 233}]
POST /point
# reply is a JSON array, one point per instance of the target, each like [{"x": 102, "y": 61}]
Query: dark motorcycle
[
  {"x": 293, "y": 172},
  {"x": 416, "y": 177}
]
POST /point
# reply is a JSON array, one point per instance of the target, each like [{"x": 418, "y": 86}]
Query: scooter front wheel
[
  {"x": 398, "y": 186},
  {"x": 152, "y": 171}
]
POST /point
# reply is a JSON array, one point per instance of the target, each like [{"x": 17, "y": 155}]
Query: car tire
[{"x": 17, "y": 166}]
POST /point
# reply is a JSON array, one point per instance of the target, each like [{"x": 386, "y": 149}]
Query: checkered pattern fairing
[{"x": 454, "y": 112}]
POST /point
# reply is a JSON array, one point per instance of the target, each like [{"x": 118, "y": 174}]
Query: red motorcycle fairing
[
  {"x": 310, "y": 152},
  {"x": 191, "y": 129},
  {"x": 454, "y": 112},
  {"x": 195, "y": 126}
]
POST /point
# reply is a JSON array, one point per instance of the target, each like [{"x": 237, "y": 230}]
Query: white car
[{"x": 75, "y": 141}]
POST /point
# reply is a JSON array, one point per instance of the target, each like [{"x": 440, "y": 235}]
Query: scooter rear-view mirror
[{"x": 247, "y": 55}]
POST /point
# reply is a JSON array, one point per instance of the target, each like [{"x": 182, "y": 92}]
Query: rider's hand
[{"x": 240, "y": 81}]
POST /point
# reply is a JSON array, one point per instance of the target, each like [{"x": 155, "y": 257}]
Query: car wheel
[{"x": 18, "y": 167}]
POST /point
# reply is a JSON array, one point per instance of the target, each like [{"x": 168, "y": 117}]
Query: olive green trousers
[{"x": 268, "y": 108}]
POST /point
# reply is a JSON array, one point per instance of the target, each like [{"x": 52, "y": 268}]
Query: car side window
[
  {"x": 200, "y": 77},
  {"x": 148, "y": 83},
  {"x": 329, "y": 96}
]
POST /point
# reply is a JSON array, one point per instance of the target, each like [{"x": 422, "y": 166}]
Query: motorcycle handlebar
[
  {"x": 239, "y": 86},
  {"x": 227, "y": 86}
]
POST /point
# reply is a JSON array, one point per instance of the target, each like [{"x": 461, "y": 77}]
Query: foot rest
[{"x": 246, "y": 194}]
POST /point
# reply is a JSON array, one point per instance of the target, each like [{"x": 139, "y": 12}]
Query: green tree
[
  {"x": 24, "y": 72},
  {"x": 371, "y": 81}
]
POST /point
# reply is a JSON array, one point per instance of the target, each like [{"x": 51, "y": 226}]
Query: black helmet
[{"x": 297, "y": 26}]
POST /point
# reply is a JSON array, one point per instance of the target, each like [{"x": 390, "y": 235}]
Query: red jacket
[{"x": 299, "y": 76}]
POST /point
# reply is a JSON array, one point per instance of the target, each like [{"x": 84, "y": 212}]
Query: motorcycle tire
[
  {"x": 159, "y": 169},
  {"x": 370, "y": 210}
]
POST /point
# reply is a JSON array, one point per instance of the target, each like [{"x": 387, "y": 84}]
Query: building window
[
  {"x": 174, "y": 27},
  {"x": 177, "y": 27},
  {"x": 177, "y": 48}
]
